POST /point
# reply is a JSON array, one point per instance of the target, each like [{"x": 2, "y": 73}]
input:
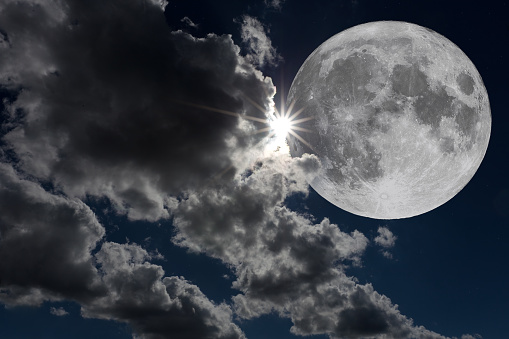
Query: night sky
[{"x": 136, "y": 201}]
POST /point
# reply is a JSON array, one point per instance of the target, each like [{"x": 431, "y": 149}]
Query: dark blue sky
[{"x": 448, "y": 270}]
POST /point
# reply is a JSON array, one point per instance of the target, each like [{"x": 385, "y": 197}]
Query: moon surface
[{"x": 401, "y": 119}]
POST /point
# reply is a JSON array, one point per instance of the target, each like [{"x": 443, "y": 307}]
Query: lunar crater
[{"x": 465, "y": 83}]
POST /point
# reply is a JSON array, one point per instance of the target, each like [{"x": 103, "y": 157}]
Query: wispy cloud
[
  {"x": 386, "y": 239},
  {"x": 59, "y": 312},
  {"x": 277, "y": 4},
  {"x": 258, "y": 44},
  {"x": 189, "y": 22}
]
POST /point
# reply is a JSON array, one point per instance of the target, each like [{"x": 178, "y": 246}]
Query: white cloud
[
  {"x": 59, "y": 312},
  {"x": 259, "y": 46},
  {"x": 385, "y": 237}
]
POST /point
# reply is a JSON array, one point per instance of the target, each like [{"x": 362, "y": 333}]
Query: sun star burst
[
  {"x": 279, "y": 124},
  {"x": 283, "y": 124}
]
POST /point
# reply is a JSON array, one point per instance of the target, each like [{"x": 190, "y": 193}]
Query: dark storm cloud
[
  {"x": 106, "y": 105},
  {"x": 105, "y": 97},
  {"x": 45, "y": 244}
]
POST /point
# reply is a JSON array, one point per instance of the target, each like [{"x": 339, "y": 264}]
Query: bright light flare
[
  {"x": 280, "y": 126},
  {"x": 283, "y": 124}
]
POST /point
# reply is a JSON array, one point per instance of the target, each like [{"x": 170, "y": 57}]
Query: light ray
[
  {"x": 280, "y": 123},
  {"x": 294, "y": 122},
  {"x": 284, "y": 123},
  {"x": 222, "y": 111},
  {"x": 289, "y": 110},
  {"x": 297, "y": 113},
  {"x": 283, "y": 96},
  {"x": 302, "y": 140},
  {"x": 271, "y": 134},
  {"x": 277, "y": 113},
  {"x": 265, "y": 129},
  {"x": 302, "y": 129},
  {"x": 260, "y": 108}
]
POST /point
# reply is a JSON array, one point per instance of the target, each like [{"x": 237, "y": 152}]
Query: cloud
[
  {"x": 259, "y": 47},
  {"x": 386, "y": 239},
  {"x": 59, "y": 312},
  {"x": 160, "y": 3},
  {"x": 189, "y": 22},
  {"x": 277, "y": 4},
  {"x": 45, "y": 244},
  {"x": 154, "y": 305},
  {"x": 282, "y": 261},
  {"x": 107, "y": 116},
  {"x": 114, "y": 113}
]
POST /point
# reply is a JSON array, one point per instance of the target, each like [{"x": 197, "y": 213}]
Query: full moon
[{"x": 401, "y": 119}]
